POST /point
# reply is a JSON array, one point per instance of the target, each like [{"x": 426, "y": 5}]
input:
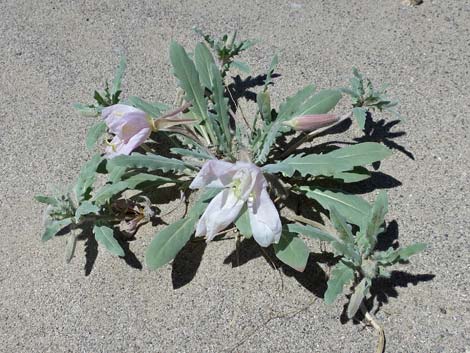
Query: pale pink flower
[
  {"x": 311, "y": 122},
  {"x": 243, "y": 183},
  {"x": 131, "y": 128}
]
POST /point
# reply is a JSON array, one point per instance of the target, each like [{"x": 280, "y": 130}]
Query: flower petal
[
  {"x": 221, "y": 211},
  {"x": 119, "y": 146},
  {"x": 214, "y": 174},
  {"x": 113, "y": 115},
  {"x": 264, "y": 220}
]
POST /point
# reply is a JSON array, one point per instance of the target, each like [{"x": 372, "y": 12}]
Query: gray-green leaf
[
  {"x": 360, "y": 114},
  {"x": 86, "y": 178},
  {"x": 148, "y": 161},
  {"x": 353, "y": 208},
  {"x": 360, "y": 292},
  {"x": 95, "y": 133},
  {"x": 105, "y": 236},
  {"x": 85, "y": 208},
  {"x": 54, "y": 227},
  {"x": 341, "y": 275},
  {"x": 311, "y": 232},
  {"x": 243, "y": 223},
  {"x": 292, "y": 251}
]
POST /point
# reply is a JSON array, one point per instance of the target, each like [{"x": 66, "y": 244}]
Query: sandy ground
[{"x": 54, "y": 53}]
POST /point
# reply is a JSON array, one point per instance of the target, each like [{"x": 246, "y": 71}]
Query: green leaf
[
  {"x": 272, "y": 68},
  {"x": 204, "y": 60},
  {"x": 353, "y": 208},
  {"x": 341, "y": 275},
  {"x": 86, "y": 178},
  {"x": 286, "y": 111},
  {"x": 320, "y": 103},
  {"x": 371, "y": 225},
  {"x": 391, "y": 256},
  {"x": 95, "y": 134},
  {"x": 241, "y": 66},
  {"x": 85, "y": 208},
  {"x": 292, "y": 251},
  {"x": 109, "y": 191},
  {"x": 115, "y": 173},
  {"x": 152, "y": 109},
  {"x": 85, "y": 110},
  {"x": 116, "y": 87},
  {"x": 185, "y": 71},
  {"x": 148, "y": 161},
  {"x": 47, "y": 200},
  {"x": 105, "y": 236},
  {"x": 332, "y": 163},
  {"x": 360, "y": 114},
  {"x": 339, "y": 222},
  {"x": 311, "y": 232},
  {"x": 264, "y": 106},
  {"x": 54, "y": 227},
  {"x": 70, "y": 244},
  {"x": 99, "y": 99},
  {"x": 221, "y": 105},
  {"x": 135, "y": 180},
  {"x": 243, "y": 223},
  {"x": 353, "y": 176},
  {"x": 167, "y": 243},
  {"x": 360, "y": 292},
  {"x": 190, "y": 153}
]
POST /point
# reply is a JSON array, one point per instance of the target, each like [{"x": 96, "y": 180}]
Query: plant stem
[
  {"x": 375, "y": 324},
  {"x": 302, "y": 219}
]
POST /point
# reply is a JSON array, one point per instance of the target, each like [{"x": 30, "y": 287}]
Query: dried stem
[{"x": 375, "y": 324}]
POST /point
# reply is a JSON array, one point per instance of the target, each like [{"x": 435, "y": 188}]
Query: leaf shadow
[
  {"x": 381, "y": 131},
  {"x": 384, "y": 288},
  {"x": 186, "y": 263},
  {"x": 239, "y": 88}
]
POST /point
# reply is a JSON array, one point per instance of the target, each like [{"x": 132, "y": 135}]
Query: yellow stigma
[
  {"x": 152, "y": 123},
  {"x": 112, "y": 145}
]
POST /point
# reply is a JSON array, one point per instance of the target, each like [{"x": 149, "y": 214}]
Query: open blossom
[
  {"x": 131, "y": 128},
  {"x": 243, "y": 183},
  {"x": 311, "y": 122}
]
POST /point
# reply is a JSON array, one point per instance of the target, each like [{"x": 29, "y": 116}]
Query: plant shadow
[
  {"x": 91, "y": 249},
  {"x": 186, "y": 263},
  {"x": 381, "y": 131}
]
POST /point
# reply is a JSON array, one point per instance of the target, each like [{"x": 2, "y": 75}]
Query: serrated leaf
[
  {"x": 371, "y": 226},
  {"x": 85, "y": 110},
  {"x": 135, "y": 180},
  {"x": 343, "y": 229},
  {"x": 70, "y": 244},
  {"x": 243, "y": 223},
  {"x": 95, "y": 133},
  {"x": 311, "y": 232},
  {"x": 360, "y": 114},
  {"x": 332, "y": 163},
  {"x": 353, "y": 208},
  {"x": 360, "y": 292},
  {"x": 341, "y": 275},
  {"x": 86, "y": 178},
  {"x": 109, "y": 191},
  {"x": 292, "y": 251},
  {"x": 85, "y": 208},
  {"x": 272, "y": 68},
  {"x": 54, "y": 227},
  {"x": 190, "y": 153},
  {"x": 391, "y": 256},
  {"x": 148, "y": 161},
  {"x": 105, "y": 236},
  {"x": 153, "y": 109},
  {"x": 48, "y": 200},
  {"x": 116, "y": 87}
]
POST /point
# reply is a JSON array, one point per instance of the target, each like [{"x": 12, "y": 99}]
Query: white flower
[{"x": 243, "y": 183}]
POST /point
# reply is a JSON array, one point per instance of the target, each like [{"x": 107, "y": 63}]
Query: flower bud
[{"x": 311, "y": 122}]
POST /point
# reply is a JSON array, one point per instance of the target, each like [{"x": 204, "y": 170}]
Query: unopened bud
[{"x": 311, "y": 122}]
